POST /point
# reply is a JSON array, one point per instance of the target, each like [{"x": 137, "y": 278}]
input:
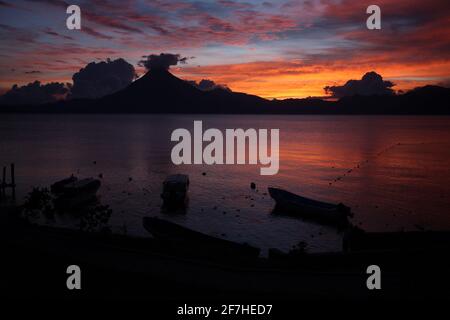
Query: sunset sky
[{"x": 275, "y": 49}]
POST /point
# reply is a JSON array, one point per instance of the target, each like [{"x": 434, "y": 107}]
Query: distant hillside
[{"x": 161, "y": 92}]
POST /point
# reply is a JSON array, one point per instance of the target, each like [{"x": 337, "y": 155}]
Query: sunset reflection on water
[{"x": 393, "y": 171}]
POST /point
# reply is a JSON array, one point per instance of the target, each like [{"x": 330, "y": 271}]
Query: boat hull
[
  {"x": 76, "y": 194},
  {"x": 322, "y": 212},
  {"x": 196, "y": 242},
  {"x": 175, "y": 189}
]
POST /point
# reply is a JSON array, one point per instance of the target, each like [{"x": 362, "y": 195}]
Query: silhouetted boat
[
  {"x": 322, "y": 212},
  {"x": 175, "y": 188},
  {"x": 58, "y": 187},
  {"x": 73, "y": 193},
  {"x": 180, "y": 236}
]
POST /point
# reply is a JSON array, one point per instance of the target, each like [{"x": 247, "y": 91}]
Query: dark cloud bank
[
  {"x": 34, "y": 93},
  {"x": 162, "y": 61},
  {"x": 208, "y": 85},
  {"x": 95, "y": 80},
  {"x": 370, "y": 84},
  {"x": 102, "y": 78}
]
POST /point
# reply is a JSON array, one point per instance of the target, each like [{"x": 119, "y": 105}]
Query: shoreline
[{"x": 311, "y": 275}]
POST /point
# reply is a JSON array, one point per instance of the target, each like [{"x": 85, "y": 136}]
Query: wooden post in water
[
  {"x": 3, "y": 182},
  {"x": 13, "y": 182}
]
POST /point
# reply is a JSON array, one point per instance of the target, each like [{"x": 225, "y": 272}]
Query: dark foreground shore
[{"x": 120, "y": 267}]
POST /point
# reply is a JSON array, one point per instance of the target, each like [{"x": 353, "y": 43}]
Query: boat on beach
[
  {"x": 72, "y": 193},
  {"x": 321, "y": 212},
  {"x": 184, "y": 238}
]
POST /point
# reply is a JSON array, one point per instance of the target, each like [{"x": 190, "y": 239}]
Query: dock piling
[
  {"x": 13, "y": 182},
  {"x": 4, "y": 184}
]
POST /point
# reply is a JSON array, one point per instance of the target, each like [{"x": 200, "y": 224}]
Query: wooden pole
[
  {"x": 13, "y": 182},
  {"x": 4, "y": 182}
]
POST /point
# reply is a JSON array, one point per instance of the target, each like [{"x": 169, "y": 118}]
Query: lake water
[{"x": 394, "y": 171}]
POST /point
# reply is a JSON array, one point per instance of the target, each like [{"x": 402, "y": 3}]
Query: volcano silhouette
[{"x": 159, "y": 91}]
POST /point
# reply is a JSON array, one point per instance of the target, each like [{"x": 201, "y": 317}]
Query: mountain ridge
[{"x": 159, "y": 91}]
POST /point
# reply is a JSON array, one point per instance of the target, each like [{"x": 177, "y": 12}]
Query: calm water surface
[{"x": 394, "y": 171}]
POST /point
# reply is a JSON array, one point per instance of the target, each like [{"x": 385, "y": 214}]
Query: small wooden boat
[
  {"x": 175, "y": 189},
  {"x": 76, "y": 193},
  {"x": 322, "y": 212},
  {"x": 195, "y": 241},
  {"x": 58, "y": 187}
]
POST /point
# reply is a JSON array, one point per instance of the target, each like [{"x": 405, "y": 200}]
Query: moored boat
[
  {"x": 75, "y": 193},
  {"x": 195, "y": 241},
  {"x": 58, "y": 187},
  {"x": 175, "y": 188},
  {"x": 322, "y": 212}
]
